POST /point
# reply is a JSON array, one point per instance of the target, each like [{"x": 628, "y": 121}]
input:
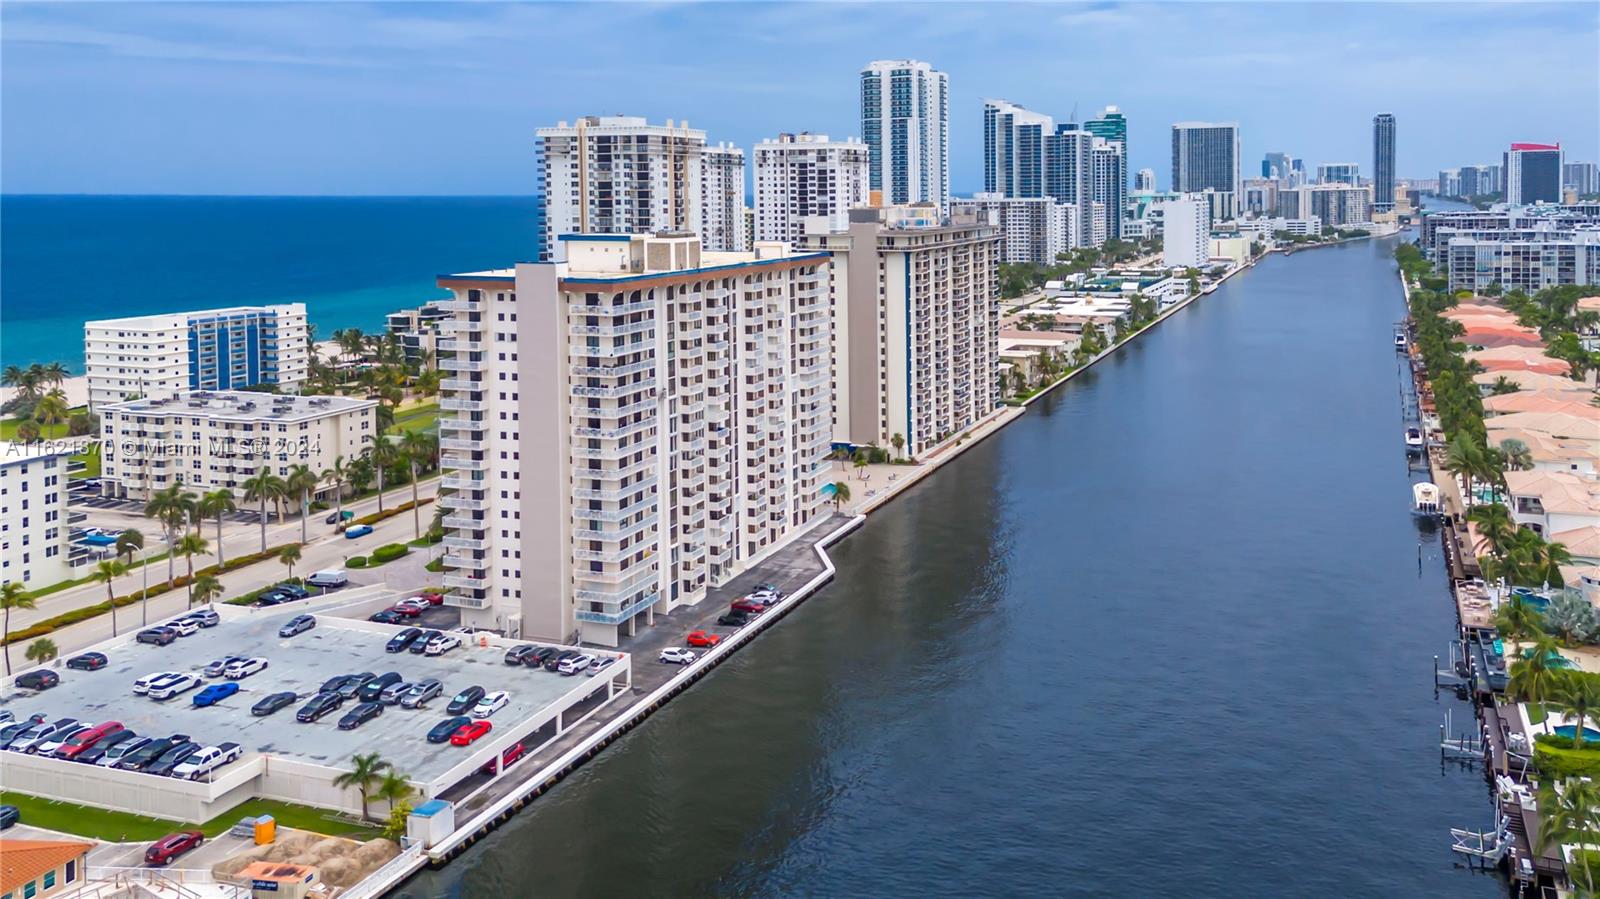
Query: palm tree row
[{"x": 373, "y": 776}]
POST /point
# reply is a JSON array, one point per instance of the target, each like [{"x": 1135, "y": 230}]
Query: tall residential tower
[
  {"x": 905, "y": 122},
  {"x": 1383, "y": 162},
  {"x": 1205, "y": 156},
  {"x": 802, "y": 175}
]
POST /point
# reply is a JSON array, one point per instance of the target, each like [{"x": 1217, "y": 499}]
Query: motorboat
[
  {"x": 1425, "y": 499},
  {"x": 1400, "y": 341},
  {"x": 1414, "y": 442}
]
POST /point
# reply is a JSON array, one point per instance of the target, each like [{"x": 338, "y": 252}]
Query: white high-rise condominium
[
  {"x": 802, "y": 175},
  {"x": 1145, "y": 180},
  {"x": 1015, "y": 142},
  {"x": 1109, "y": 173},
  {"x": 1339, "y": 173},
  {"x": 214, "y": 349},
  {"x": 1185, "y": 232},
  {"x": 1035, "y": 229},
  {"x": 1070, "y": 176},
  {"x": 1205, "y": 155},
  {"x": 905, "y": 123},
  {"x": 722, "y": 199},
  {"x": 626, "y": 427},
  {"x": 916, "y": 301},
  {"x": 37, "y": 549}
]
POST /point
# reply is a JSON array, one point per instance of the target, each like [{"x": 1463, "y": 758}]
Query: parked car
[
  {"x": 272, "y": 598},
  {"x": 158, "y": 636},
  {"x": 332, "y": 684},
  {"x": 353, "y": 684},
  {"x": 215, "y": 694},
  {"x": 293, "y": 591},
  {"x": 516, "y": 654},
  {"x": 320, "y": 704},
  {"x": 360, "y": 715},
  {"x": 245, "y": 667},
  {"x": 204, "y": 617},
  {"x": 386, "y": 616},
  {"x": 434, "y": 599},
  {"x": 576, "y": 664},
  {"x": 332, "y": 577},
  {"x": 747, "y": 605},
  {"x": 554, "y": 662},
  {"x": 38, "y": 680},
  {"x": 418, "y": 695},
  {"x": 420, "y": 645},
  {"x": 59, "y": 739},
  {"x": 116, "y": 753},
  {"x": 84, "y": 740},
  {"x": 272, "y": 703},
  {"x": 218, "y": 666},
  {"x": 207, "y": 760},
  {"x": 103, "y": 747},
  {"x": 172, "y": 758},
  {"x": 538, "y": 657},
  {"x": 360, "y": 530},
  {"x": 701, "y": 638},
  {"x": 30, "y": 739},
  {"x": 465, "y": 700},
  {"x": 415, "y": 602},
  {"x": 333, "y": 517},
  {"x": 143, "y": 684},
  {"x": 769, "y": 588},
  {"x": 470, "y": 733},
  {"x": 402, "y": 641},
  {"x": 392, "y": 693},
  {"x": 141, "y": 758},
  {"x": 675, "y": 656},
  {"x": 88, "y": 661},
  {"x": 9, "y": 815},
  {"x": 734, "y": 619},
  {"x": 405, "y": 611},
  {"x": 183, "y": 683},
  {"x": 372, "y": 689},
  {"x": 164, "y": 850},
  {"x": 509, "y": 757},
  {"x": 765, "y": 597},
  {"x": 601, "y": 665},
  {"x": 299, "y": 624},
  {"x": 490, "y": 703},
  {"x": 186, "y": 627},
  {"x": 445, "y": 729},
  {"x": 438, "y": 646}
]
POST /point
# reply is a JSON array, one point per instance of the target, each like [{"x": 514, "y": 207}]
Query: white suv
[
  {"x": 143, "y": 684},
  {"x": 167, "y": 689}
]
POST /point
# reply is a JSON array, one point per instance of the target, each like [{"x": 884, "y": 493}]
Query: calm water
[
  {"x": 1170, "y": 634},
  {"x": 350, "y": 260}
]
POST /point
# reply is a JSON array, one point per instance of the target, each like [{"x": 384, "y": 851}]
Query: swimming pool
[{"x": 1567, "y": 730}]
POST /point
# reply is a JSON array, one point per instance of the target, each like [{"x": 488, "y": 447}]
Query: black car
[
  {"x": 538, "y": 657},
  {"x": 159, "y": 636},
  {"x": 421, "y": 642},
  {"x": 38, "y": 680},
  {"x": 387, "y": 616},
  {"x": 172, "y": 758},
  {"x": 13, "y": 731},
  {"x": 734, "y": 619},
  {"x": 360, "y": 715},
  {"x": 464, "y": 700},
  {"x": 88, "y": 661},
  {"x": 9, "y": 815},
  {"x": 554, "y": 662},
  {"x": 516, "y": 654},
  {"x": 441, "y": 732},
  {"x": 353, "y": 684},
  {"x": 146, "y": 755},
  {"x": 272, "y": 703},
  {"x": 320, "y": 704},
  {"x": 272, "y": 598},
  {"x": 332, "y": 684},
  {"x": 402, "y": 641},
  {"x": 294, "y": 590},
  {"x": 372, "y": 689},
  {"x": 333, "y": 517},
  {"x": 98, "y": 751}
]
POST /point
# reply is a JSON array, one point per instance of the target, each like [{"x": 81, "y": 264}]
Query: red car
[
  {"x": 468, "y": 734},
  {"x": 406, "y": 611},
  {"x": 748, "y": 605},
  {"x": 434, "y": 599},
  {"x": 164, "y": 850},
  {"x": 701, "y": 638},
  {"x": 510, "y": 757},
  {"x": 83, "y": 742}
]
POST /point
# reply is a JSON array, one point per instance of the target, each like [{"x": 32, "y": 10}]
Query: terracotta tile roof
[
  {"x": 1532, "y": 380},
  {"x": 1556, "y": 424},
  {"x": 1564, "y": 402},
  {"x": 1518, "y": 358},
  {"x": 25, "y": 860},
  {"x": 1558, "y": 492},
  {"x": 1583, "y": 543}
]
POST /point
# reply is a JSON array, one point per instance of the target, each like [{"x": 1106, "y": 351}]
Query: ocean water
[{"x": 351, "y": 260}]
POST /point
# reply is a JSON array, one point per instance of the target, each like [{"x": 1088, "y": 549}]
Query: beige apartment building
[
  {"x": 916, "y": 301},
  {"x": 209, "y": 440},
  {"x": 628, "y": 426}
]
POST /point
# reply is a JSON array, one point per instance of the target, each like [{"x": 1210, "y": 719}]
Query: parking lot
[{"x": 299, "y": 664}]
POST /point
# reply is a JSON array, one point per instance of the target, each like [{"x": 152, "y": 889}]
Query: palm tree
[
  {"x": 1517, "y": 619},
  {"x": 366, "y": 771},
  {"x": 190, "y": 545},
  {"x": 302, "y": 480},
  {"x": 56, "y": 373},
  {"x": 860, "y": 462},
  {"x": 289, "y": 555},
  {"x": 1532, "y": 677},
  {"x": 394, "y": 788},
  {"x": 841, "y": 494},
  {"x": 264, "y": 486},
  {"x": 207, "y": 589},
  {"x": 1578, "y": 698},
  {"x": 172, "y": 507},
  {"x": 128, "y": 542},
  {"x": 42, "y": 650},
  {"x": 1514, "y": 455},
  {"x": 52, "y": 408},
  {"x": 337, "y": 475},
  {"x": 12, "y": 596},
  {"x": 1495, "y": 524},
  {"x": 1464, "y": 457},
  {"x": 216, "y": 504},
  {"x": 382, "y": 453},
  {"x": 898, "y": 441},
  {"x": 416, "y": 447},
  {"x": 1566, "y": 815},
  {"x": 106, "y": 572},
  {"x": 1503, "y": 385}
]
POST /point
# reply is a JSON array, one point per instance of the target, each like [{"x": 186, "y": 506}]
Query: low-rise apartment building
[
  {"x": 35, "y": 525},
  {"x": 627, "y": 427},
  {"x": 211, "y": 440}
]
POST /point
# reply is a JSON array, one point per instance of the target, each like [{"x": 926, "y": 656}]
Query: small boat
[
  {"x": 1400, "y": 341},
  {"x": 1425, "y": 499},
  {"x": 1414, "y": 442}
]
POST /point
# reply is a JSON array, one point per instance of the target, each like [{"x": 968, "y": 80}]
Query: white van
[{"x": 332, "y": 577}]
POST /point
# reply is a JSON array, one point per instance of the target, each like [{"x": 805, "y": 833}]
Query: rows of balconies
[
  {"x": 613, "y": 371},
  {"x": 643, "y": 484},
  {"x": 618, "y": 432},
  {"x": 620, "y": 390},
  {"x": 613, "y": 534}
]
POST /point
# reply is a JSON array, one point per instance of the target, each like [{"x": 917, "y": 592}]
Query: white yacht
[
  {"x": 1414, "y": 441},
  {"x": 1425, "y": 499}
]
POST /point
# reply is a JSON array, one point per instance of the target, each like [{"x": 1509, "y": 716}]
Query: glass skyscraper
[
  {"x": 1383, "y": 162},
  {"x": 905, "y": 123}
]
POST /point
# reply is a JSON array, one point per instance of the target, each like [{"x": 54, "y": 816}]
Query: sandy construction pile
[{"x": 339, "y": 862}]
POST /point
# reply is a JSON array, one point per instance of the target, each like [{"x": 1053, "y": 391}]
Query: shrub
[
  {"x": 437, "y": 565},
  {"x": 1559, "y": 762},
  {"x": 389, "y": 552},
  {"x": 376, "y": 517},
  {"x": 356, "y": 562}
]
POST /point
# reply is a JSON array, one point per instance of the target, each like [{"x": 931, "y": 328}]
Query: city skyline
[{"x": 345, "y": 99}]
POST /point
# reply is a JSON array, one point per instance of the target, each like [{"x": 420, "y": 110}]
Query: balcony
[
  {"x": 449, "y": 462},
  {"x": 460, "y": 346},
  {"x": 616, "y": 614},
  {"x": 618, "y": 432},
  {"x": 474, "y": 485},
  {"x": 454, "y": 542},
  {"x": 464, "y": 522},
  {"x": 462, "y": 305},
  {"x": 621, "y": 390},
  {"x": 463, "y": 424},
  {"x": 597, "y": 586},
  {"x": 618, "y": 330},
  {"x": 638, "y": 527},
  {"x": 453, "y": 404},
  {"x": 582, "y": 493},
  {"x": 461, "y": 601},
  {"x": 466, "y": 563},
  {"x": 610, "y": 311},
  {"x": 456, "y": 443},
  {"x": 452, "y": 363},
  {"x": 456, "y": 385},
  {"x": 462, "y": 582},
  {"x": 612, "y": 371}
]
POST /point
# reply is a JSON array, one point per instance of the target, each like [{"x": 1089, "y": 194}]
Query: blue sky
[{"x": 414, "y": 98}]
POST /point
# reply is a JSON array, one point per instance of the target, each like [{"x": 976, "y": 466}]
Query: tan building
[
  {"x": 916, "y": 301},
  {"x": 210, "y": 440},
  {"x": 35, "y": 869},
  {"x": 627, "y": 427}
]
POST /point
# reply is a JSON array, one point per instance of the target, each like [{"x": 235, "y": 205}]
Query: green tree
[
  {"x": 1495, "y": 525},
  {"x": 264, "y": 487},
  {"x": 898, "y": 441},
  {"x": 288, "y": 556},
  {"x": 172, "y": 507},
  {"x": 301, "y": 481},
  {"x": 366, "y": 772},
  {"x": 52, "y": 409},
  {"x": 207, "y": 589},
  {"x": 216, "y": 504},
  {"x": 382, "y": 454},
  {"x": 1566, "y": 815},
  {"x": 42, "y": 650},
  {"x": 12, "y": 596},
  {"x": 337, "y": 475},
  {"x": 418, "y": 448},
  {"x": 860, "y": 461},
  {"x": 1532, "y": 677},
  {"x": 189, "y": 546},
  {"x": 841, "y": 494},
  {"x": 1503, "y": 385},
  {"x": 394, "y": 788},
  {"x": 105, "y": 572}
]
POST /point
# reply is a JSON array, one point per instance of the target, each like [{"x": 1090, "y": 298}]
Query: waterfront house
[
  {"x": 39, "y": 868},
  {"x": 1517, "y": 358},
  {"x": 1567, "y": 402},
  {"x": 1553, "y": 502},
  {"x": 1550, "y": 453},
  {"x": 1489, "y": 332},
  {"x": 1532, "y": 380}
]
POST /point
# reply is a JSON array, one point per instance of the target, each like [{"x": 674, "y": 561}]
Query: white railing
[{"x": 388, "y": 876}]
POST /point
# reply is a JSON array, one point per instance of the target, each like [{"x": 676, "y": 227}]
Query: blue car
[
  {"x": 215, "y": 694},
  {"x": 360, "y": 530}
]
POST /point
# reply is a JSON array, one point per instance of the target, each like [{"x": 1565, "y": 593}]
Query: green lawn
[
  {"x": 103, "y": 824},
  {"x": 62, "y": 585},
  {"x": 423, "y": 417},
  {"x": 8, "y": 430}
]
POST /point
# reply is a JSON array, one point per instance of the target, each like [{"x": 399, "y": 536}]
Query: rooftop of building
[
  {"x": 1583, "y": 543},
  {"x": 240, "y": 405},
  {"x": 1558, "y": 492},
  {"x": 15, "y": 453},
  {"x": 164, "y": 319},
  {"x": 1556, "y": 424},
  {"x": 1531, "y": 380},
  {"x": 1568, "y": 402},
  {"x": 23, "y": 861}
]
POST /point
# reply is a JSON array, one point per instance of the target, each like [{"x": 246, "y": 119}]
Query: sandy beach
[{"x": 76, "y": 387}]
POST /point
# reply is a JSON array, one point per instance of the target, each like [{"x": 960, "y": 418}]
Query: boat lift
[
  {"x": 1457, "y": 677},
  {"x": 1483, "y": 849},
  {"x": 1465, "y": 749}
]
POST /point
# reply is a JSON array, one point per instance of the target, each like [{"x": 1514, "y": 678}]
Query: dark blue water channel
[{"x": 1169, "y": 634}]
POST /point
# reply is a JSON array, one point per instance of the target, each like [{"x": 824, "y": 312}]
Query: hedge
[
  {"x": 1559, "y": 762},
  {"x": 436, "y": 565},
  {"x": 376, "y": 517},
  {"x": 356, "y": 562},
  {"x": 389, "y": 552}
]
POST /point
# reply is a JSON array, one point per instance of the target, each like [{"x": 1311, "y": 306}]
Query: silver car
[{"x": 419, "y": 694}]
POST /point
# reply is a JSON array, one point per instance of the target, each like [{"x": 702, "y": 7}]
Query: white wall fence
[{"x": 387, "y": 877}]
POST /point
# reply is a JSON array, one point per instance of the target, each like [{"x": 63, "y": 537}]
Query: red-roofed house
[{"x": 34, "y": 869}]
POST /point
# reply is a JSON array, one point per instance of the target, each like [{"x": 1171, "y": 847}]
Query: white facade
[
  {"x": 1268, "y": 227},
  {"x": 210, "y": 440},
  {"x": 628, "y": 427},
  {"x": 1145, "y": 180},
  {"x": 916, "y": 301},
  {"x": 905, "y": 123},
  {"x": 722, "y": 199},
  {"x": 35, "y": 534},
  {"x": 802, "y": 175},
  {"x": 1185, "y": 232},
  {"x": 1035, "y": 229},
  {"x": 213, "y": 349}
]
